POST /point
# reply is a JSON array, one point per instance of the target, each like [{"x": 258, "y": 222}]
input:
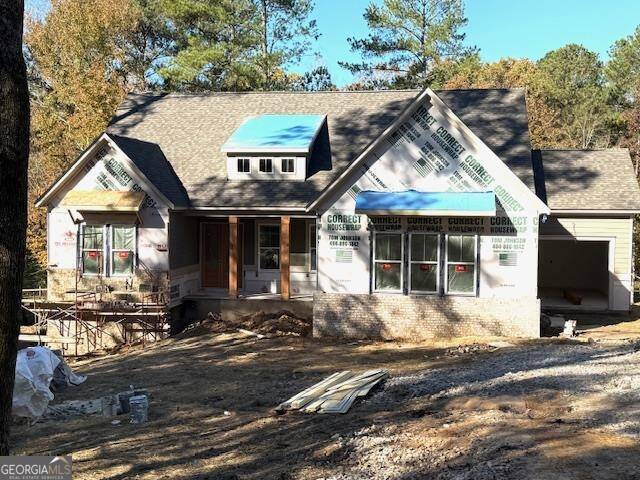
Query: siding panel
[{"x": 618, "y": 228}]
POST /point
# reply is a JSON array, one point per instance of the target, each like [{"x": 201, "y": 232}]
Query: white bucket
[{"x": 139, "y": 405}]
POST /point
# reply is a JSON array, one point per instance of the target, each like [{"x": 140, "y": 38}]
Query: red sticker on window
[
  {"x": 123, "y": 254},
  {"x": 461, "y": 268},
  {"x": 386, "y": 266},
  {"x": 425, "y": 267},
  {"x": 93, "y": 254}
]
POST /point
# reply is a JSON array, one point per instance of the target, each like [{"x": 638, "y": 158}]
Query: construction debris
[
  {"x": 107, "y": 406},
  {"x": 36, "y": 368},
  {"x": 249, "y": 332},
  {"x": 259, "y": 324},
  {"x": 138, "y": 405},
  {"x": 569, "y": 328},
  {"x": 334, "y": 394}
]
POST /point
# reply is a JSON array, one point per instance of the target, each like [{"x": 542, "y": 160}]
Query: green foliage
[
  {"x": 409, "y": 39},
  {"x": 234, "y": 44},
  {"x": 572, "y": 81},
  {"x": 316, "y": 80},
  {"x": 146, "y": 47},
  {"x": 623, "y": 68},
  {"x": 213, "y": 45},
  {"x": 285, "y": 32}
]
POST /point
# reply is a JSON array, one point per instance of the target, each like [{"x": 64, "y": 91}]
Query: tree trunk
[
  {"x": 265, "y": 47},
  {"x": 14, "y": 156}
]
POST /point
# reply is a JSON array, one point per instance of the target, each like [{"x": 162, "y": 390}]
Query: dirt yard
[{"x": 544, "y": 409}]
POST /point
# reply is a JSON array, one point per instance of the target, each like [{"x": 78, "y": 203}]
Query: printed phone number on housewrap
[{"x": 336, "y": 241}]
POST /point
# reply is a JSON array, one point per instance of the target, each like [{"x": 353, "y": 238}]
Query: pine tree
[
  {"x": 285, "y": 32},
  {"x": 409, "y": 39}
]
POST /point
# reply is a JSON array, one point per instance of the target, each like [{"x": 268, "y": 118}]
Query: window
[
  {"x": 288, "y": 165},
  {"x": 313, "y": 253},
  {"x": 461, "y": 265},
  {"x": 244, "y": 165},
  {"x": 269, "y": 247},
  {"x": 118, "y": 253},
  {"x": 92, "y": 249},
  {"x": 123, "y": 240},
  {"x": 266, "y": 165},
  {"x": 387, "y": 259},
  {"x": 424, "y": 263}
]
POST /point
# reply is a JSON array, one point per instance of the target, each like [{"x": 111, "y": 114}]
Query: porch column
[
  {"x": 233, "y": 257},
  {"x": 285, "y": 290}
]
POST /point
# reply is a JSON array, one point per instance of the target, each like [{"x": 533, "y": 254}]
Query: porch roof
[
  {"x": 412, "y": 202},
  {"x": 103, "y": 201}
]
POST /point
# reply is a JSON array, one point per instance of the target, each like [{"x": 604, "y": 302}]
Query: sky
[{"x": 499, "y": 28}]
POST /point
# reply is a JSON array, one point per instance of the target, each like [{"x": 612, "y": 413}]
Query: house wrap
[{"x": 398, "y": 214}]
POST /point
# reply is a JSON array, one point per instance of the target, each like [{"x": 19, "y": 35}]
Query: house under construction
[{"x": 394, "y": 214}]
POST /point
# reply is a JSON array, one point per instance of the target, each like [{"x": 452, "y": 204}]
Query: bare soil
[{"x": 465, "y": 409}]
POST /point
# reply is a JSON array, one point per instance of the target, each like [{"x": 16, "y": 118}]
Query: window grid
[
  {"x": 387, "y": 263},
  {"x": 244, "y": 165},
  {"x": 288, "y": 165},
  {"x": 93, "y": 248},
  {"x": 119, "y": 254},
  {"x": 266, "y": 165},
  {"x": 432, "y": 263},
  {"x": 462, "y": 264},
  {"x": 268, "y": 249},
  {"x": 100, "y": 251}
]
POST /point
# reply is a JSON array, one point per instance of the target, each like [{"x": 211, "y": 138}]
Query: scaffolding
[{"x": 97, "y": 317}]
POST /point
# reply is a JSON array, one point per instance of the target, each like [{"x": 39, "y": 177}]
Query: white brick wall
[{"x": 423, "y": 318}]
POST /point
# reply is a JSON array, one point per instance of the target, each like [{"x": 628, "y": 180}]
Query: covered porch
[{"x": 257, "y": 257}]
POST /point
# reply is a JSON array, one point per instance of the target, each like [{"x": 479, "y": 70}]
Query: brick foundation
[{"x": 423, "y": 318}]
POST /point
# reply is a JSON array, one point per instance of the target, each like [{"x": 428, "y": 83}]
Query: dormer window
[
  {"x": 244, "y": 165},
  {"x": 288, "y": 165},
  {"x": 266, "y": 165},
  {"x": 274, "y": 147}
]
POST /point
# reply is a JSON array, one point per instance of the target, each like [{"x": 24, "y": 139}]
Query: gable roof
[
  {"x": 586, "y": 179},
  {"x": 190, "y": 130},
  {"x": 146, "y": 166}
]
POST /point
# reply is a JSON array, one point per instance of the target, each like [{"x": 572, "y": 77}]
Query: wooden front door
[{"x": 215, "y": 255}]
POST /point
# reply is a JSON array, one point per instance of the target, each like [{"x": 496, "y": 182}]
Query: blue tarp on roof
[
  {"x": 411, "y": 202},
  {"x": 267, "y": 133}
]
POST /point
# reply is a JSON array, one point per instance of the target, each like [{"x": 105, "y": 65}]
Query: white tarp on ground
[{"x": 35, "y": 367}]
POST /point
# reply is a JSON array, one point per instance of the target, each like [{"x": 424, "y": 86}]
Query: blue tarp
[
  {"x": 411, "y": 202},
  {"x": 275, "y": 133}
]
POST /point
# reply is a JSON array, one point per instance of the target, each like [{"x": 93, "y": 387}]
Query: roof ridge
[
  {"x": 562, "y": 149},
  {"x": 507, "y": 89},
  {"x": 269, "y": 92}
]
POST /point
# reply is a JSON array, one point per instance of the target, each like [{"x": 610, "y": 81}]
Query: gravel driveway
[{"x": 496, "y": 416}]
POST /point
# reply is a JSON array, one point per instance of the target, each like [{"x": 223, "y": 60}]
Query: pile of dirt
[{"x": 282, "y": 323}]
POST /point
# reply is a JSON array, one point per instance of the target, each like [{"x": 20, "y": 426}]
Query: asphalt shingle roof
[
  {"x": 586, "y": 179},
  {"x": 499, "y": 118},
  {"x": 187, "y": 131}
]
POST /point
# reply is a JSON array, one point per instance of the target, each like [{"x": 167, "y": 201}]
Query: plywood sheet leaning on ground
[{"x": 334, "y": 394}]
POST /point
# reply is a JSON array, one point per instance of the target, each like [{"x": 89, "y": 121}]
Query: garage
[{"x": 574, "y": 274}]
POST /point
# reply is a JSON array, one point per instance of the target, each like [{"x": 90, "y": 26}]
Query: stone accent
[
  {"x": 423, "y": 318},
  {"x": 63, "y": 280}
]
